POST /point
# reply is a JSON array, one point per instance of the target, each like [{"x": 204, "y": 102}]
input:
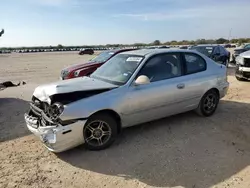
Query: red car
[{"x": 85, "y": 69}]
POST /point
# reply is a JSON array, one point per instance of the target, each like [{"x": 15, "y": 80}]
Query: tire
[
  {"x": 204, "y": 108},
  {"x": 96, "y": 137},
  {"x": 227, "y": 63},
  {"x": 240, "y": 79}
]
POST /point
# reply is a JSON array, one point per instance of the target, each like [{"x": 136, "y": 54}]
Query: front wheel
[
  {"x": 208, "y": 103},
  {"x": 100, "y": 132}
]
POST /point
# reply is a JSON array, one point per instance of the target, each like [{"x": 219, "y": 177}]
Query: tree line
[
  {"x": 238, "y": 41},
  {"x": 203, "y": 41}
]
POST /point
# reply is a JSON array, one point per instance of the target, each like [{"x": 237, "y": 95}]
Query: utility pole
[
  {"x": 1, "y": 32},
  {"x": 229, "y": 36}
]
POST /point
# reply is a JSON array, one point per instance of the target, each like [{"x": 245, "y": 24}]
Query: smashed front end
[
  {"x": 57, "y": 135},
  {"x": 243, "y": 67},
  {"x": 58, "y": 111}
]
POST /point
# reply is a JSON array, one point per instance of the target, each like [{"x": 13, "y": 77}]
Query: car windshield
[
  {"x": 247, "y": 46},
  {"x": 206, "y": 50},
  {"x": 118, "y": 69},
  {"x": 102, "y": 57}
]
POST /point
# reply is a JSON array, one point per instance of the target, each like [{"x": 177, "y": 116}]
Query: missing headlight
[{"x": 55, "y": 110}]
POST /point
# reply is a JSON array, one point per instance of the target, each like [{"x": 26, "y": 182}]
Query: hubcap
[
  {"x": 210, "y": 103},
  {"x": 97, "y": 133}
]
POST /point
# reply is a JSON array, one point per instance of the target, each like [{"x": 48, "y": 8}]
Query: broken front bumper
[
  {"x": 57, "y": 138},
  {"x": 242, "y": 72}
]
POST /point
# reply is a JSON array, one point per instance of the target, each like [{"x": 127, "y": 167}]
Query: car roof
[
  {"x": 144, "y": 52},
  {"x": 120, "y": 50}
]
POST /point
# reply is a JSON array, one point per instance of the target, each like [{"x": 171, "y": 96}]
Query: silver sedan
[{"x": 131, "y": 88}]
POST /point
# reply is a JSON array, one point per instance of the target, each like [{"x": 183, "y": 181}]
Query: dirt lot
[{"x": 180, "y": 151}]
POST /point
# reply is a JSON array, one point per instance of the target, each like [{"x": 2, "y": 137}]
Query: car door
[
  {"x": 162, "y": 96},
  {"x": 196, "y": 79},
  {"x": 216, "y": 55}
]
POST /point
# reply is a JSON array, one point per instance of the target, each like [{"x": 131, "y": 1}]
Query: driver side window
[{"x": 161, "y": 67}]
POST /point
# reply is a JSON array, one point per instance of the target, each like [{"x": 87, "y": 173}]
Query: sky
[{"x": 93, "y": 22}]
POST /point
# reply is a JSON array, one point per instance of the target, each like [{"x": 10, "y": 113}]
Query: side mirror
[{"x": 142, "y": 80}]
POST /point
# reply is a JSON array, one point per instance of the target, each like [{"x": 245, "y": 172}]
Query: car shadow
[
  {"x": 12, "y": 124},
  {"x": 183, "y": 150},
  {"x": 231, "y": 69}
]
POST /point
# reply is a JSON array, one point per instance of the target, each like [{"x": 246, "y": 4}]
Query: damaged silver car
[{"x": 131, "y": 88}]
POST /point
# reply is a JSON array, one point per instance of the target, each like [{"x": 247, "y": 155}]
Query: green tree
[
  {"x": 173, "y": 42},
  {"x": 201, "y": 41},
  {"x": 241, "y": 41},
  {"x": 59, "y": 46},
  {"x": 221, "y": 41},
  {"x": 166, "y": 43},
  {"x": 192, "y": 42},
  {"x": 156, "y": 43},
  {"x": 234, "y": 40},
  {"x": 184, "y": 42},
  {"x": 139, "y": 44}
]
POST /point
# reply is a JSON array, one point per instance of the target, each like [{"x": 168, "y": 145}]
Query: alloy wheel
[
  {"x": 97, "y": 133},
  {"x": 210, "y": 103}
]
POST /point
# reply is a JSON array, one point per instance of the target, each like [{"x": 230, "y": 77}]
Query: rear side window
[{"x": 194, "y": 63}]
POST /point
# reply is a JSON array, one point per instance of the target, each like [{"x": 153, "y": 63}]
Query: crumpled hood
[{"x": 44, "y": 92}]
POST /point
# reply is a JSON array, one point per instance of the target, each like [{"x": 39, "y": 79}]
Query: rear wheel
[
  {"x": 100, "y": 132},
  {"x": 208, "y": 103}
]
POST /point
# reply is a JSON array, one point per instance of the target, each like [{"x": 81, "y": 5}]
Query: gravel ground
[{"x": 185, "y": 151}]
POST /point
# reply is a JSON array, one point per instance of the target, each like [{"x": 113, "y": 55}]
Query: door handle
[{"x": 181, "y": 86}]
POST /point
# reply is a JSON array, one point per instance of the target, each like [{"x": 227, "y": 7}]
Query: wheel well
[
  {"x": 113, "y": 114},
  {"x": 216, "y": 90}
]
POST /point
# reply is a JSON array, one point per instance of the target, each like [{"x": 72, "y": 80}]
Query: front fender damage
[{"x": 66, "y": 98}]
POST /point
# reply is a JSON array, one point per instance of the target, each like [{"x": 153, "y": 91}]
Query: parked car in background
[
  {"x": 242, "y": 71},
  {"x": 183, "y": 47},
  {"x": 86, "y": 51},
  {"x": 160, "y": 47},
  {"x": 85, "y": 69},
  {"x": 238, "y": 51},
  {"x": 5, "y": 51},
  {"x": 216, "y": 52},
  {"x": 131, "y": 88},
  {"x": 227, "y": 46},
  {"x": 150, "y": 47}
]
